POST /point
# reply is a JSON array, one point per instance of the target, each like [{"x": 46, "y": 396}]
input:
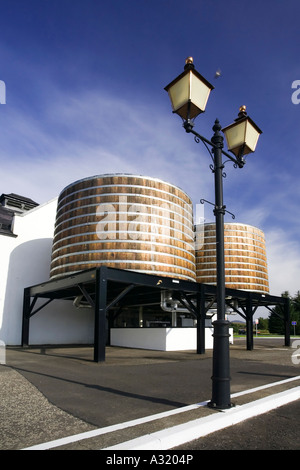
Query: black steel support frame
[{"x": 105, "y": 288}]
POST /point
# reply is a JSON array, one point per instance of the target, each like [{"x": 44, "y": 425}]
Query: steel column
[
  {"x": 26, "y": 317},
  {"x": 100, "y": 315},
  {"x": 249, "y": 324},
  {"x": 201, "y": 320},
  {"x": 287, "y": 319}
]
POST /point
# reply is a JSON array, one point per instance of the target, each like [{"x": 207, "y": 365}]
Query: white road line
[
  {"x": 112, "y": 428},
  {"x": 146, "y": 419},
  {"x": 187, "y": 432},
  {"x": 262, "y": 387}
]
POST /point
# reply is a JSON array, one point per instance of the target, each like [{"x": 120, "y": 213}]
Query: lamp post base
[
  {"x": 216, "y": 406},
  {"x": 221, "y": 373}
]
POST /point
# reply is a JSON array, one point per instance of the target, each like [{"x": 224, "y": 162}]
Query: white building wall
[
  {"x": 25, "y": 261},
  {"x": 161, "y": 339},
  {"x": 7, "y": 245}
]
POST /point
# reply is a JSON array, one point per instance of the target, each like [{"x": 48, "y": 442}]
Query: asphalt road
[{"x": 49, "y": 392}]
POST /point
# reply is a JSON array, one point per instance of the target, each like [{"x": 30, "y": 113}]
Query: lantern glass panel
[
  {"x": 251, "y": 137},
  {"x": 235, "y": 135},
  {"x": 199, "y": 93},
  {"x": 179, "y": 92}
]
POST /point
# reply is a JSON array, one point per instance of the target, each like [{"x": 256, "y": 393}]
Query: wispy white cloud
[
  {"x": 90, "y": 134},
  {"x": 283, "y": 261}
]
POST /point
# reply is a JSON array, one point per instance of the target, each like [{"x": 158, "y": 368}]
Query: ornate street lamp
[{"x": 189, "y": 93}]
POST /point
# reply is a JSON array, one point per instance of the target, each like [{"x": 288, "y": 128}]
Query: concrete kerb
[
  {"x": 188, "y": 430},
  {"x": 178, "y": 435}
]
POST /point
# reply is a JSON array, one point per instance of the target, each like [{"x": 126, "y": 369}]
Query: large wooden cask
[
  {"x": 245, "y": 257},
  {"x": 127, "y": 222}
]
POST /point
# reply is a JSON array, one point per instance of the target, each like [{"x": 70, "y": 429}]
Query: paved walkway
[{"x": 49, "y": 394}]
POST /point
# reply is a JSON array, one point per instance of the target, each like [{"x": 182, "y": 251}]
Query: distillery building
[{"x": 116, "y": 259}]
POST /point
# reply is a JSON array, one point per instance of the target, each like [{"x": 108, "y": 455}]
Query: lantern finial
[
  {"x": 189, "y": 60},
  {"x": 242, "y": 112}
]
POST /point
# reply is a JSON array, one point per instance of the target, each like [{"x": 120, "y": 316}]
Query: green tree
[
  {"x": 295, "y": 313},
  {"x": 276, "y": 324},
  {"x": 263, "y": 323}
]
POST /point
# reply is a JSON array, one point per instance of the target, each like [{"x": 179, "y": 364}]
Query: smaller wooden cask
[{"x": 245, "y": 257}]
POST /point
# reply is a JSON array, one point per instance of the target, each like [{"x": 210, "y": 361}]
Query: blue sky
[{"x": 85, "y": 95}]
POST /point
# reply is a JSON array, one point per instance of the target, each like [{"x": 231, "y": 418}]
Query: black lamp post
[{"x": 189, "y": 93}]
